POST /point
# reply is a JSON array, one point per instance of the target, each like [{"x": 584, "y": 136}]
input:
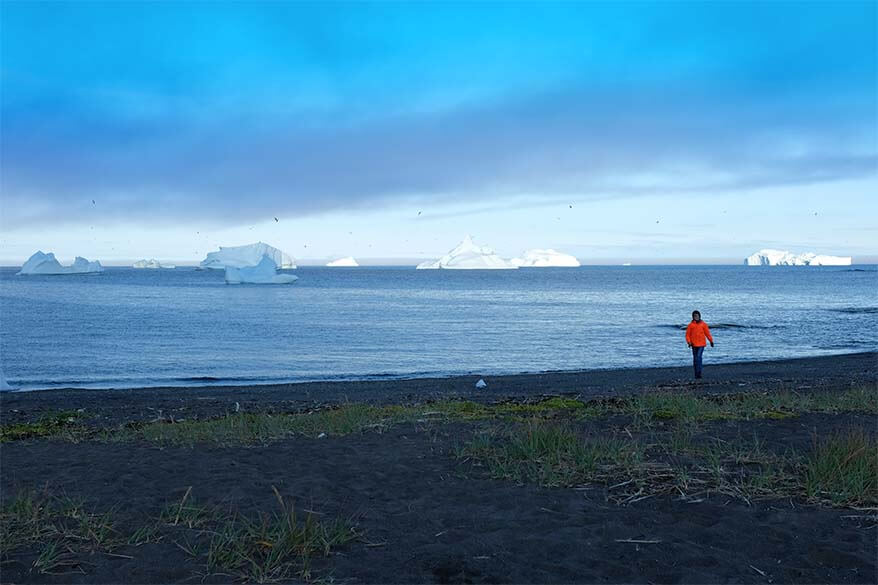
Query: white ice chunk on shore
[
  {"x": 151, "y": 263},
  {"x": 243, "y": 256},
  {"x": 548, "y": 258},
  {"x": 346, "y": 262},
  {"x": 265, "y": 272},
  {"x": 769, "y": 257},
  {"x": 481, "y": 384},
  {"x": 468, "y": 256},
  {"x": 41, "y": 263}
]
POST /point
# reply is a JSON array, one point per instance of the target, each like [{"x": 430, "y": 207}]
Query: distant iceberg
[
  {"x": 41, "y": 263},
  {"x": 539, "y": 258},
  {"x": 265, "y": 272},
  {"x": 244, "y": 256},
  {"x": 152, "y": 263},
  {"x": 770, "y": 257},
  {"x": 468, "y": 256},
  {"x": 343, "y": 263}
]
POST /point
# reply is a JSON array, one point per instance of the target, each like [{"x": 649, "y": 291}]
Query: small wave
[
  {"x": 722, "y": 326},
  {"x": 853, "y": 344},
  {"x": 856, "y": 310}
]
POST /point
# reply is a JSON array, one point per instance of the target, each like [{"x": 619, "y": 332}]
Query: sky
[{"x": 623, "y": 131}]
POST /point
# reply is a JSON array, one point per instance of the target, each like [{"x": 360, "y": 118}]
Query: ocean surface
[{"x": 130, "y": 328}]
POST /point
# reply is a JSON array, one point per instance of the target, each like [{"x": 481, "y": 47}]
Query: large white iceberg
[
  {"x": 343, "y": 263},
  {"x": 539, "y": 258},
  {"x": 265, "y": 272},
  {"x": 468, "y": 256},
  {"x": 41, "y": 263},
  {"x": 770, "y": 257},
  {"x": 151, "y": 263},
  {"x": 243, "y": 256}
]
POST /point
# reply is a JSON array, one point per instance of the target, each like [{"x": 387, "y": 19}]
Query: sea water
[{"x": 131, "y": 328}]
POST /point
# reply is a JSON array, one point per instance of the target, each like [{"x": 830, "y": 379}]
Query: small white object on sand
[{"x": 481, "y": 384}]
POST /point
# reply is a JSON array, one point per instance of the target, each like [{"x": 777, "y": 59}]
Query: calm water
[{"x": 128, "y": 328}]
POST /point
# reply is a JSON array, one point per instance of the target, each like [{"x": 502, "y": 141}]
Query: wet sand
[{"x": 115, "y": 406}]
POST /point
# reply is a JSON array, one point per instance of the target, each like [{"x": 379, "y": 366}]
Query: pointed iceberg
[
  {"x": 151, "y": 263},
  {"x": 468, "y": 256},
  {"x": 347, "y": 262},
  {"x": 41, "y": 263},
  {"x": 244, "y": 256},
  {"x": 548, "y": 258},
  {"x": 769, "y": 257},
  {"x": 265, "y": 272}
]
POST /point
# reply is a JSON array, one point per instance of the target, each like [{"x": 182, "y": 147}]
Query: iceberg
[
  {"x": 343, "y": 262},
  {"x": 468, "y": 256},
  {"x": 152, "y": 263},
  {"x": 539, "y": 258},
  {"x": 244, "y": 256},
  {"x": 769, "y": 257},
  {"x": 265, "y": 272},
  {"x": 41, "y": 263}
]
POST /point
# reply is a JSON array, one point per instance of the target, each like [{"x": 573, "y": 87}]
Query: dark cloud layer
[{"x": 183, "y": 161}]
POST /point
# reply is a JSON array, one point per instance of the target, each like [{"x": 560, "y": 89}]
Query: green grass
[
  {"x": 549, "y": 454},
  {"x": 263, "y": 428},
  {"x": 55, "y": 534},
  {"x": 63, "y": 423},
  {"x": 275, "y": 546},
  {"x": 843, "y": 469},
  {"x": 59, "y": 527}
]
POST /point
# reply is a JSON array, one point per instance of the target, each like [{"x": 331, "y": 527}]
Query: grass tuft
[
  {"x": 549, "y": 454},
  {"x": 52, "y": 424},
  {"x": 274, "y": 546},
  {"x": 843, "y": 469}
]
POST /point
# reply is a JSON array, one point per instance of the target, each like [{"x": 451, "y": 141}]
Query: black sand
[
  {"x": 427, "y": 516},
  {"x": 114, "y": 406}
]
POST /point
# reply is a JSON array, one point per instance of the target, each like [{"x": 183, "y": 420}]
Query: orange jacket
[{"x": 696, "y": 332}]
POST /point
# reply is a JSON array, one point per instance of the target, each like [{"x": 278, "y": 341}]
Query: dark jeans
[{"x": 696, "y": 359}]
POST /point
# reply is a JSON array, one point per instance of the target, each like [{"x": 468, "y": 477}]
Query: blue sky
[{"x": 618, "y": 131}]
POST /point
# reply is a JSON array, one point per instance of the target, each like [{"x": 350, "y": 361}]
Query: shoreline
[{"x": 117, "y": 405}]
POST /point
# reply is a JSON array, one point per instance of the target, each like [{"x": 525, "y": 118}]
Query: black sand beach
[{"x": 721, "y": 489}]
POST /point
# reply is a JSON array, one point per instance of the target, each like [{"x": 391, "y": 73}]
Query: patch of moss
[{"x": 48, "y": 425}]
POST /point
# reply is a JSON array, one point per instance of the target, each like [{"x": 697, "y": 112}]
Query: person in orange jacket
[{"x": 696, "y": 333}]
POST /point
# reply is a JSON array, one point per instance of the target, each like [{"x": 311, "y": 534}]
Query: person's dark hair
[{"x": 696, "y": 313}]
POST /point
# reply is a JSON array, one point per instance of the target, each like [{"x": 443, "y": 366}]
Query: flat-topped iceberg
[
  {"x": 343, "y": 263},
  {"x": 151, "y": 263},
  {"x": 41, "y": 263},
  {"x": 548, "y": 258},
  {"x": 265, "y": 272},
  {"x": 243, "y": 256},
  {"x": 468, "y": 256},
  {"x": 770, "y": 257}
]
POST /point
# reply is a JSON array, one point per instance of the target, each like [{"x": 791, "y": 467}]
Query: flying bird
[
  {"x": 275, "y": 219},
  {"x": 419, "y": 213},
  {"x": 93, "y": 202}
]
